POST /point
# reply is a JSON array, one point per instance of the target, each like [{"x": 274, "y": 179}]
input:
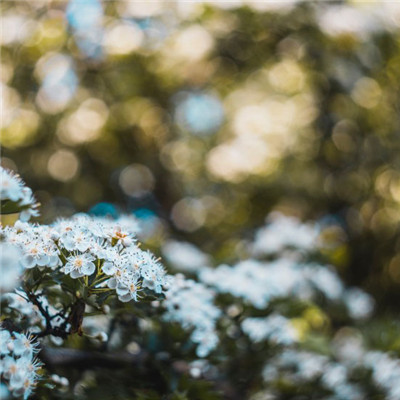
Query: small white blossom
[
  {"x": 15, "y": 196},
  {"x": 359, "y": 303},
  {"x": 79, "y": 265}
]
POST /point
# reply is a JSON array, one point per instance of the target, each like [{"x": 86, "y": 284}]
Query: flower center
[
  {"x": 120, "y": 235},
  {"x": 78, "y": 263}
]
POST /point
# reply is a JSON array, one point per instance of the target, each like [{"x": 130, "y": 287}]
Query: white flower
[
  {"x": 128, "y": 289},
  {"x": 76, "y": 239},
  {"x": 126, "y": 223},
  {"x": 335, "y": 375},
  {"x": 120, "y": 236},
  {"x": 359, "y": 303},
  {"x": 98, "y": 248},
  {"x": 23, "y": 345},
  {"x": 34, "y": 255},
  {"x": 79, "y": 265},
  {"x": 152, "y": 272},
  {"x": 14, "y": 191},
  {"x": 10, "y": 188},
  {"x": 108, "y": 268},
  {"x": 10, "y": 266},
  {"x": 324, "y": 279},
  {"x": 113, "y": 258},
  {"x": 29, "y": 201}
]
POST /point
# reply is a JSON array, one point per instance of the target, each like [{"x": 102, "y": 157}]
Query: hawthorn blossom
[
  {"x": 25, "y": 310},
  {"x": 76, "y": 239},
  {"x": 126, "y": 287},
  {"x": 152, "y": 272},
  {"x": 79, "y": 265},
  {"x": 23, "y": 345},
  {"x": 191, "y": 304},
  {"x": 36, "y": 244},
  {"x": 258, "y": 283},
  {"x": 15, "y": 196},
  {"x": 77, "y": 245},
  {"x": 18, "y": 363}
]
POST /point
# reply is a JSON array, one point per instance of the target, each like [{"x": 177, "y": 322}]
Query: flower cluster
[
  {"x": 18, "y": 365},
  {"x": 282, "y": 232},
  {"x": 15, "y": 197},
  {"x": 185, "y": 256},
  {"x": 23, "y": 308},
  {"x": 385, "y": 372},
  {"x": 275, "y": 328},
  {"x": 258, "y": 283},
  {"x": 37, "y": 244},
  {"x": 102, "y": 249},
  {"x": 359, "y": 304},
  {"x": 302, "y": 367},
  {"x": 192, "y": 305},
  {"x": 336, "y": 374}
]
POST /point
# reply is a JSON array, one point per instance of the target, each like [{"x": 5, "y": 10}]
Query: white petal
[{"x": 88, "y": 268}]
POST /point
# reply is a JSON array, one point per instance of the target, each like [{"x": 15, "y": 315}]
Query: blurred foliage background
[{"x": 202, "y": 117}]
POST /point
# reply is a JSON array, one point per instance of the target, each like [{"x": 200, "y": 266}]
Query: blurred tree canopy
[{"x": 209, "y": 115}]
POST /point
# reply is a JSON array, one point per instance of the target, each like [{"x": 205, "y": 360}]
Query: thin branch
[{"x": 59, "y": 331}]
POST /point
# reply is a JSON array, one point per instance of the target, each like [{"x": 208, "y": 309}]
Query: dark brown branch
[
  {"x": 50, "y": 330},
  {"x": 35, "y": 301}
]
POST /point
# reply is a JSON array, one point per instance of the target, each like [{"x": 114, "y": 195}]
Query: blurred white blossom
[
  {"x": 18, "y": 363},
  {"x": 275, "y": 328},
  {"x": 15, "y": 196},
  {"x": 192, "y": 305},
  {"x": 185, "y": 256},
  {"x": 10, "y": 266},
  {"x": 283, "y": 232}
]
